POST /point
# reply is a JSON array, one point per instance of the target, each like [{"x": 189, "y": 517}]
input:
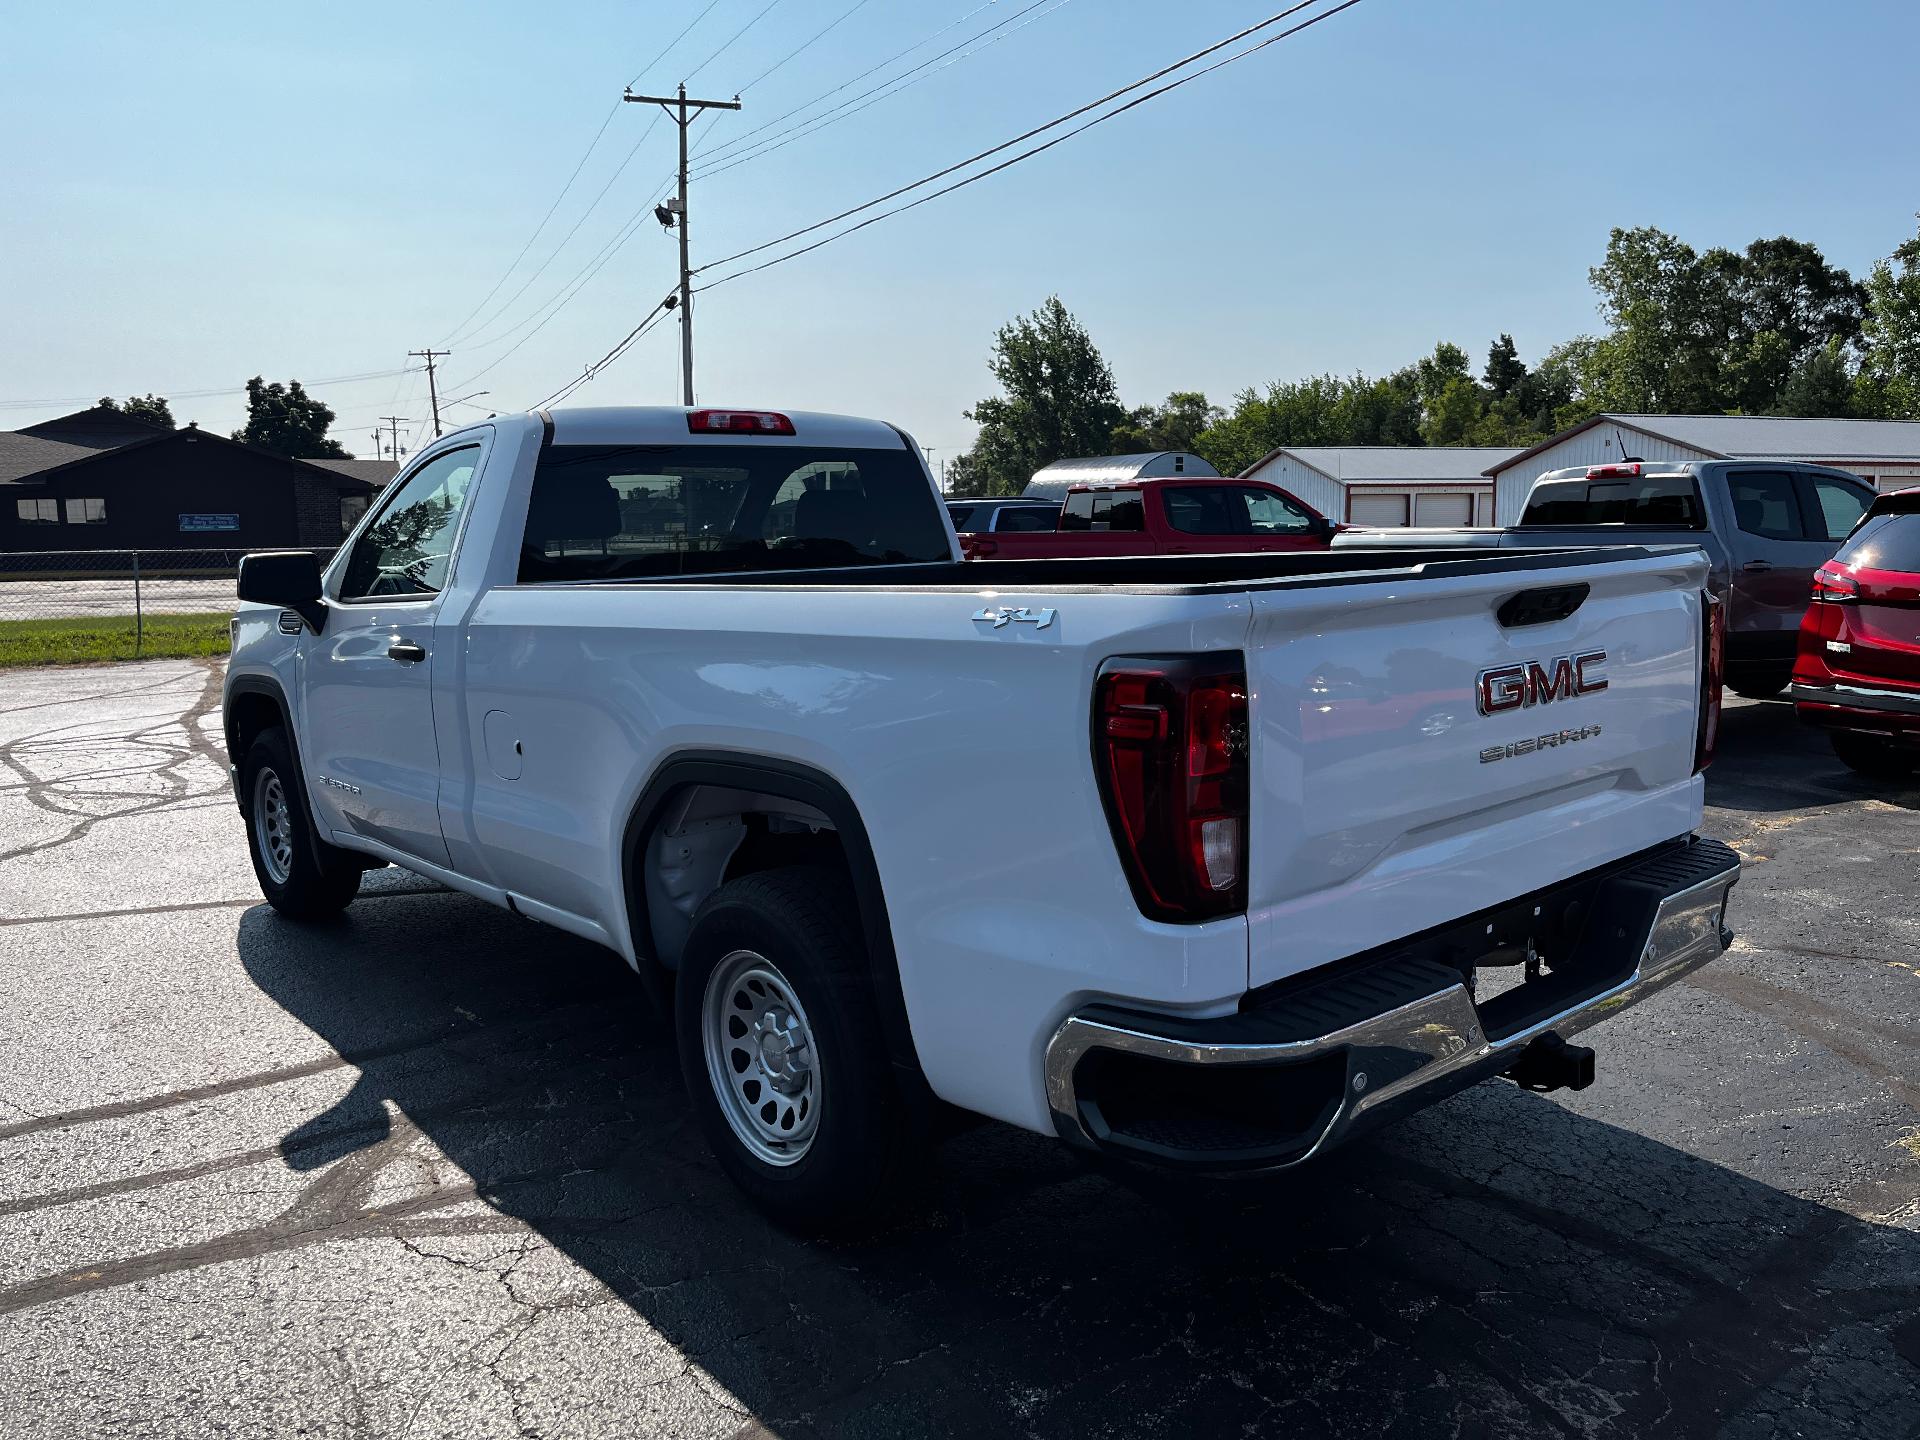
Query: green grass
[{"x": 93, "y": 638}]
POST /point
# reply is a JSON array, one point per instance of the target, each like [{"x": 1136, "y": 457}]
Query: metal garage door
[
  {"x": 1378, "y": 509},
  {"x": 1443, "y": 510}
]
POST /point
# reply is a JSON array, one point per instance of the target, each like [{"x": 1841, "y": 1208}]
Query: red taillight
[
  {"x": 1629, "y": 471},
  {"x": 1170, "y": 747},
  {"x": 1833, "y": 583},
  {"x": 738, "y": 422},
  {"x": 1713, "y": 666},
  {"x": 978, "y": 547}
]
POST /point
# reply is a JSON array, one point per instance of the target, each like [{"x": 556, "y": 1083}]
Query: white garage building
[
  {"x": 1886, "y": 452},
  {"x": 1388, "y": 484}
]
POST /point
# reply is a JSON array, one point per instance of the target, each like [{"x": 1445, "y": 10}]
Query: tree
[
  {"x": 1669, "y": 311},
  {"x": 1059, "y": 401},
  {"x": 1175, "y": 425},
  {"x": 1320, "y": 410},
  {"x": 1504, "y": 371},
  {"x": 288, "y": 421},
  {"x": 1696, "y": 333},
  {"x": 1889, "y": 380},
  {"x": 142, "y": 407},
  {"x": 1820, "y": 385}
]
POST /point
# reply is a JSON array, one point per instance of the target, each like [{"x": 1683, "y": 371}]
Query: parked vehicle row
[
  {"x": 1207, "y": 515},
  {"x": 1764, "y": 527},
  {"x": 1292, "y": 842}
]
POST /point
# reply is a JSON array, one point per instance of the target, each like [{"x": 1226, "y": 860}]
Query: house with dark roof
[{"x": 102, "y": 480}]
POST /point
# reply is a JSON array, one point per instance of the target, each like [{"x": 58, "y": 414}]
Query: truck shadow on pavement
[
  {"x": 1501, "y": 1265},
  {"x": 1769, "y": 761}
]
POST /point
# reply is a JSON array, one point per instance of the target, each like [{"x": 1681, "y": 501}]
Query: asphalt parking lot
[{"x": 428, "y": 1172}]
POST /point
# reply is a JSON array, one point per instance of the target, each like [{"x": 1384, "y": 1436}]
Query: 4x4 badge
[{"x": 1000, "y": 615}]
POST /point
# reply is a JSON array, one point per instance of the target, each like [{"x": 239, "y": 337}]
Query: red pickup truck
[{"x": 1203, "y": 515}]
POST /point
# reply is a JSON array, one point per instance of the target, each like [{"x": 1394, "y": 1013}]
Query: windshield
[
  {"x": 631, "y": 511},
  {"x": 1669, "y": 502}
]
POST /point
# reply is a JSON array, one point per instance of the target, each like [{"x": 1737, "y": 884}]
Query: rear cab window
[
  {"x": 626, "y": 512},
  {"x": 1104, "y": 510},
  {"x": 1668, "y": 502}
]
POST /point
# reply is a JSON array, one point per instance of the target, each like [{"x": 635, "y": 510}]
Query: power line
[
  {"x": 854, "y": 104},
  {"x": 579, "y": 165},
  {"x": 870, "y": 70},
  {"x": 653, "y": 318},
  {"x": 804, "y": 45},
  {"x": 670, "y": 44},
  {"x": 208, "y": 392},
  {"x": 554, "y": 254},
  {"x": 724, "y": 44},
  {"x": 1029, "y": 134},
  {"x": 565, "y": 189},
  {"x": 1035, "y": 150}
]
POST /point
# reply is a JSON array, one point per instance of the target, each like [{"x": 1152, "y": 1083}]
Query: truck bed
[{"x": 1170, "y": 574}]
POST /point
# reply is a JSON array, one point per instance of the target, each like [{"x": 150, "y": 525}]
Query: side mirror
[
  {"x": 287, "y": 578},
  {"x": 1326, "y": 529}
]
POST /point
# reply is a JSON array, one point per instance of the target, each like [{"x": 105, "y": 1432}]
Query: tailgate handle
[{"x": 1538, "y": 607}]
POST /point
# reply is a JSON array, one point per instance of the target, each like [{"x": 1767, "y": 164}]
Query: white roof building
[
  {"x": 1885, "y": 452},
  {"x": 1388, "y": 484},
  {"x": 1051, "y": 482}
]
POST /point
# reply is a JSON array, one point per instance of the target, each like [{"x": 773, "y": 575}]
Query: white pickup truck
[{"x": 1204, "y": 861}]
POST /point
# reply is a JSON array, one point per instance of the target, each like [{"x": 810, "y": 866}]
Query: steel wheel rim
[
  {"x": 272, "y": 826},
  {"x": 761, "y": 1057}
]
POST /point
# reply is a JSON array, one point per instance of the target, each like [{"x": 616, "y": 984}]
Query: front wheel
[
  {"x": 298, "y": 880},
  {"x": 1871, "y": 756},
  {"x": 782, "y": 1050}
]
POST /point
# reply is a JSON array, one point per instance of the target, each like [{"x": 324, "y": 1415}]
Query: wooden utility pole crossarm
[
  {"x": 433, "y": 394},
  {"x": 679, "y": 110}
]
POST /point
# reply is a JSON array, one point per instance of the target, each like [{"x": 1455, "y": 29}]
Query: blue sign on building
[{"x": 209, "y": 522}]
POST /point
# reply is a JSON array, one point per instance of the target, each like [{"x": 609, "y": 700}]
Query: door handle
[
  {"x": 405, "y": 650},
  {"x": 1757, "y": 567}
]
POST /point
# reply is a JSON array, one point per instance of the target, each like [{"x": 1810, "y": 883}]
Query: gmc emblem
[{"x": 1517, "y": 687}]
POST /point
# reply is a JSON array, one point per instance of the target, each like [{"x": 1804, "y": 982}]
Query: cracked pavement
[{"x": 428, "y": 1172}]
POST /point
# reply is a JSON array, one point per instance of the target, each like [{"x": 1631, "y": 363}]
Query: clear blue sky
[{"x": 199, "y": 192}]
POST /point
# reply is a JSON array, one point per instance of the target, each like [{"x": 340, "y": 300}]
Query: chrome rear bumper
[{"x": 1414, "y": 1052}]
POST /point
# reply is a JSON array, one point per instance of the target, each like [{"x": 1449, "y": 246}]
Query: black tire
[
  {"x": 803, "y": 923},
  {"x": 1760, "y": 684},
  {"x": 1879, "y": 759},
  {"x": 302, "y": 877}
]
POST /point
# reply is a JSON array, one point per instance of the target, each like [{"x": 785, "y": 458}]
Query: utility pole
[
  {"x": 678, "y": 108},
  {"x": 393, "y": 424},
  {"x": 430, "y": 356},
  {"x": 376, "y": 442}
]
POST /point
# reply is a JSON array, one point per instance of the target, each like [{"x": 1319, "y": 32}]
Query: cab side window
[
  {"x": 1271, "y": 514},
  {"x": 1837, "y": 507},
  {"x": 405, "y": 552},
  {"x": 1764, "y": 504}
]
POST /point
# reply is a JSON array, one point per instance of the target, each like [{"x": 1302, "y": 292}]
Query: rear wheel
[
  {"x": 1760, "y": 684},
  {"x": 782, "y": 1050},
  {"x": 1872, "y": 756},
  {"x": 300, "y": 878}
]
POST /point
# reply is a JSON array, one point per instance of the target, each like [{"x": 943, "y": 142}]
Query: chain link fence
[{"x": 113, "y": 604}]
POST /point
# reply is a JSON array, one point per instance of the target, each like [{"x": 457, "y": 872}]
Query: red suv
[{"x": 1858, "y": 669}]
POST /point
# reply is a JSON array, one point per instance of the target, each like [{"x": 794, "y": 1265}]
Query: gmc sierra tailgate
[{"x": 1426, "y": 747}]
